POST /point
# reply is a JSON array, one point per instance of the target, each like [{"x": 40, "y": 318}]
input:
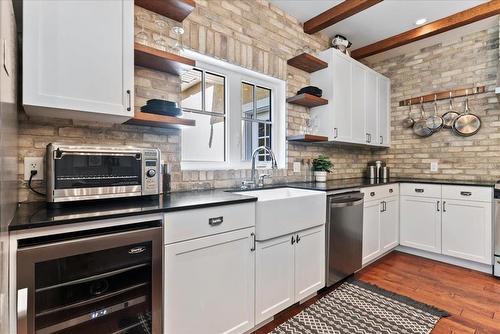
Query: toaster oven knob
[{"x": 151, "y": 173}]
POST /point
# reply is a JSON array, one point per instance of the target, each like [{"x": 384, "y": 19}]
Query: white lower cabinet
[
  {"x": 389, "y": 224},
  {"x": 309, "y": 262},
  {"x": 467, "y": 230},
  {"x": 288, "y": 269},
  {"x": 420, "y": 223},
  {"x": 451, "y": 220},
  {"x": 371, "y": 231},
  {"x": 274, "y": 273},
  {"x": 209, "y": 285},
  {"x": 380, "y": 223}
]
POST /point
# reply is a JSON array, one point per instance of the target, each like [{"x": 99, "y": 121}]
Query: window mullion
[{"x": 203, "y": 91}]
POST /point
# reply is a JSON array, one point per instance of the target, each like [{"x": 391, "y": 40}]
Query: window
[
  {"x": 236, "y": 110},
  {"x": 203, "y": 99},
  {"x": 256, "y": 120}
]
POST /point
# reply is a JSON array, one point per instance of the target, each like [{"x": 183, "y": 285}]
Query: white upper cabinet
[
  {"x": 78, "y": 59},
  {"x": 358, "y": 105},
  {"x": 358, "y": 111},
  {"x": 384, "y": 111},
  {"x": 371, "y": 106}
]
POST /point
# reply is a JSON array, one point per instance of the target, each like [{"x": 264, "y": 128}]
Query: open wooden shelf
[
  {"x": 307, "y": 62},
  {"x": 307, "y": 138},
  {"x": 159, "y": 60},
  {"x": 176, "y": 10},
  {"x": 307, "y": 100},
  {"x": 159, "y": 121}
]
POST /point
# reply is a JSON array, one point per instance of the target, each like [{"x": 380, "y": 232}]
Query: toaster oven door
[{"x": 94, "y": 175}]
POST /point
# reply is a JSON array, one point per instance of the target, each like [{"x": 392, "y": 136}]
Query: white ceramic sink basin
[{"x": 281, "y": 211}]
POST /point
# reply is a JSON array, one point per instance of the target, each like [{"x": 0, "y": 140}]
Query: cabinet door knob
[
  {"x": 372, "y": 194},
  {"x": 391, "y": 190}
]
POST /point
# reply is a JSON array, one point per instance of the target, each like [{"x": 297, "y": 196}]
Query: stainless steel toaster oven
[{"x": 89, "y": 172}]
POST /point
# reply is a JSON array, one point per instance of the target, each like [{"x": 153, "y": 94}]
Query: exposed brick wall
[
  {"x": 472, "y": 60},
  {"x": 257, "y": 35},
  {"x": 249, "y": 33}
]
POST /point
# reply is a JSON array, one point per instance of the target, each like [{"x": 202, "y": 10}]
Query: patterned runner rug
[{"x": 358, "y": 307}]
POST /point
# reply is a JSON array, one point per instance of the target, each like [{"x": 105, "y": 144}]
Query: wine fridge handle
[{"x": 22, "y": 311}]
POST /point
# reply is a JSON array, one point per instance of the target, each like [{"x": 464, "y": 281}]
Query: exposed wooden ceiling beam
[
  {"x": 465, "y": 17},
  {"x": 336, "y": 14}
]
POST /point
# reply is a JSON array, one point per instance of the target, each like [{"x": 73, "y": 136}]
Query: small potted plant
[{"x": 322, "y": 166}]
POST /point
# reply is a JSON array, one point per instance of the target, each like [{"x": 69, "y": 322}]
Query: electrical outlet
[
  {"x": 33, "y": 163},
  {"x": 296, "y": 167},
  {"x": 434, "y": 166}
]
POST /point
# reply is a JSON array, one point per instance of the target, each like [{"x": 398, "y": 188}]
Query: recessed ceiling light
[{"x": 419, "y": 22}]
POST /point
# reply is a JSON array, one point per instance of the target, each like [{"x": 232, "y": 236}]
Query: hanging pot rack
[{"x": 444, "y": 95}]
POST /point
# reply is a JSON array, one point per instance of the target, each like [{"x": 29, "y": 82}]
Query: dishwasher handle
[{"x": 345, "y": 201}]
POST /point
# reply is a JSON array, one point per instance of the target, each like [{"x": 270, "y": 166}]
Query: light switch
[
  {"x": 434, "y": 166},
  {"x": 296, "y": 167}
]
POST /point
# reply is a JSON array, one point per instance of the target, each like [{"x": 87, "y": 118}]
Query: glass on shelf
[
  {"x": 161, "y": 40},
  {"x": 142, "y": 36},
  {"x": 178, "y": 31}
]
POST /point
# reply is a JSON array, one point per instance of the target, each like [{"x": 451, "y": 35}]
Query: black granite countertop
[
  {"x": 341, "y": 184},
  {"x": 33, "y": 215},
  {"x": 38, "y": 214}
]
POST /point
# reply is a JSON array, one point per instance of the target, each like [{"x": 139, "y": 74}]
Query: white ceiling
[{"x": 385, "y": 19}]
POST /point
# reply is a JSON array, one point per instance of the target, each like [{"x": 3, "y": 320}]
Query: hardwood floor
[{"x": 472, "y": 298}]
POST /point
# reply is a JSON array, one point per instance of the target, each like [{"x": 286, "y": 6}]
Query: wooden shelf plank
[
  {"x": 307, "y": 62},
  {"x": 307, "y": 100},
  {"x": 176, "y": 10},
  {"x": 160, "y": 121},
  {"x": 155, "y": 59},
  {"x": 443, "y": 95},
  {"x": 307, "y": 138}
]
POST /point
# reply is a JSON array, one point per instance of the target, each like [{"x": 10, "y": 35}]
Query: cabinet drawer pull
[
  {"x": 252, "y": 235},
  {"x": 465, "y": 193},
  {"x": 372, "y": 194},
  {"x": 293, "y": 239},
  {"x": 419, "y": 190},
  {"x": 215, "y": 221},
  {"x": 437, "y": 206},
  {"x": 381, "y": 140},
  {"x": 129, "y": 100},
  {"x": 444, "y": 206},
  {"x": 335, "y": 132},
  {"x": 298, "y": 238}
]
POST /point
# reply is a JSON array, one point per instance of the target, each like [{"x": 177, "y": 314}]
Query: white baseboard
[{"x": 447, "y": 259}]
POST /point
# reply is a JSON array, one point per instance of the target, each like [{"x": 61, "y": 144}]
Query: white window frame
[{"x": 234, "y": 77}]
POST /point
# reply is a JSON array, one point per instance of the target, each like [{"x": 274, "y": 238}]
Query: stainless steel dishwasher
[{"x": 344, "y": 235}]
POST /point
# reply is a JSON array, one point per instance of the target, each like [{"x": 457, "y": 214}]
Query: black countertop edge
[
  {"x": 37, "y": 214},
  {"x": 342, "y": 184}
]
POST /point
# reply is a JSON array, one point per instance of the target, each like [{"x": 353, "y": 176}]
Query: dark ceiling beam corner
[
  {"x": 457, "y": 20},
  {"x": 336, "y": 14}
]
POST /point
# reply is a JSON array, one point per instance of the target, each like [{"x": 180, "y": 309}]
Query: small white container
[{"x": 320, "y": 176}]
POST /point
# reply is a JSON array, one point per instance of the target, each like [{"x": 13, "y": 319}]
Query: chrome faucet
[{"x": 252, "y": 182}]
